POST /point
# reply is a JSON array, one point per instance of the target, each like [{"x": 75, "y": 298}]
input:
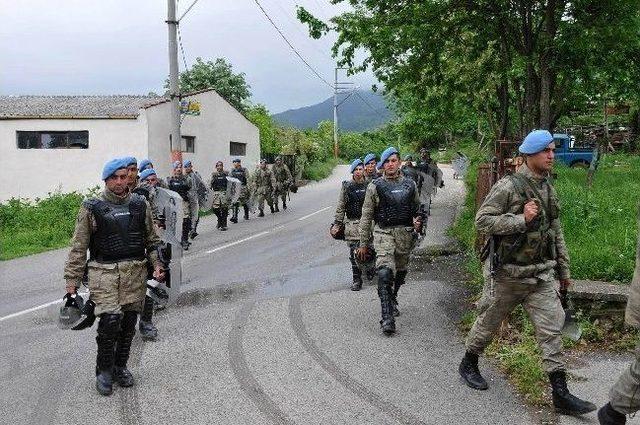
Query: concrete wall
[
  {"x": 217, "y": 125},
  {"x": 30, "y": 173}
]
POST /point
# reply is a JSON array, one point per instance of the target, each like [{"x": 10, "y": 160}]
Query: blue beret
[
  {"x": 146, "y": 173},
  {"x": 130, "y": 160},
  {"x": 370, "y": 157},
  {"x": 535, "y": 142},
  {"x": 177, "y": 164},
  {"x": 144, "y": 163},
  {"x": 112, "y": 166},
  {"x": 187, "y": 163},
  {"x": 385, "y": 155},
  {"x": 356, "y": 162},
  {"x": 237, "y": 160}
]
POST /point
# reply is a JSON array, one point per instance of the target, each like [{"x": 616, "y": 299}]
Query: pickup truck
[{"x": 572, "y": 156}]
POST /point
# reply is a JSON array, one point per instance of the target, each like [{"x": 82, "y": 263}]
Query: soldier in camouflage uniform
[
  {"x": 263, "y": 182},
  {"x": 179, "y": 183},
  {"x": 117, "y": 229},
  {"x": 242, "y": 174},
  {"x": 218, "y": 185},
  {"x": 521, "y": 214},
  {"x": 392, "y": 202},
  {"x": 194, "y": 204},
  {"x": 281, "y": 181},
  {"x": 350, "y": 206},
  {"x": 370, "y": 169},
  {"x": 624, "y": 396},
  {"x": 428, "y": 166},
  {"x": 408, "y": 170},
  {"x": 132, "y": 172}
]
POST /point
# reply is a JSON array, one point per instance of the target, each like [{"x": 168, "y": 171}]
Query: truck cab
[{"x": 570, "y": 155}]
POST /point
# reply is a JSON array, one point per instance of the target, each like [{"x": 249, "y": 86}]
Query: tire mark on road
[
  {"x": 130, "y": 410},
  {"x": 377, "y": 401},
  {"x": 248, "y": 383}
]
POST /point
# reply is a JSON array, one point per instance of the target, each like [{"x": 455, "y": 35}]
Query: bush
[{"x": 319, "y": 170}]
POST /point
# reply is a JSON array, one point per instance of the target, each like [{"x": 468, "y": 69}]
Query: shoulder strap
[{"x": 524, "y": 187}]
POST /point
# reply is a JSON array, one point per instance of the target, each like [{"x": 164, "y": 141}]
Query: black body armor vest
[
  {"x": 179, "y": 185},
  {"x": 219, "y": 182},
  {"x": 395, "y": 207},
  {"x": 240, "y": 174},
  {"x": 354, "y": 194},
  {"x": 120, "y": 233}
]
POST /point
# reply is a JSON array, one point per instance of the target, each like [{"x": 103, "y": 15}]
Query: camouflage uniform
[
  {"x": 393, "y": 236},
  {"x": 263, "y": 181},
  {"x": 528, "y": 274},
  {"x": 182, "y": 185},
  {"x": 281, "y": 180},
  {"x": 625, "y": 394},
  {"x": 242, "y": 174},
  {"x": 193, "y": 202},
  {"x": 348, "y": 212},
  {"x": 220, "y": 205}
]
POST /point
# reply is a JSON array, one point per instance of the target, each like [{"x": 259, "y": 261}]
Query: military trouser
[
  {"x": 393, "y": 247},
  {"x": 624, "y": 396},
  {"x": 194, "y": 207},
  {"x": 117, "y": 287},
  {"x": 542, "y": 304},
  {"x": 263, "y": 196}
]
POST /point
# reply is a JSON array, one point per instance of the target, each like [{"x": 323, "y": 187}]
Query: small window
[
  {"x": 52, "y": 139},
  {"x": 237, "y": 149},
  {"x": 189, "y": 144}
]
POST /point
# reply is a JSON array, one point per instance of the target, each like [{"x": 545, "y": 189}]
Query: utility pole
[
  {"x": 174, "y": 88},
  {"x": 338, "y": 88}
]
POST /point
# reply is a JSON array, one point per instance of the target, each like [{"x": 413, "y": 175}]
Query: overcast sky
[{"x": 120, "y": 47}]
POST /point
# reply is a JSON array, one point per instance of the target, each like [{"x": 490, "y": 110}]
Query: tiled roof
[{"x": 74, "y": 106}]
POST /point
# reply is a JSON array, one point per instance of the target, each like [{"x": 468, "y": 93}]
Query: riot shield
[
  {"x": 170, "y": 207},
  {"x": 428, "y": 186},
  {"x": 234, "y": 187},
  {"x": 438, "y": 179},
  {"x": 460, "y": 166},
  {"x": 201, "y": 188}
]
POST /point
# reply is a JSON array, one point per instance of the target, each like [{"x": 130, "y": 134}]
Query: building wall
[
  {"x": 30, "y": 173},
  {"x": 217, "y": 125}
]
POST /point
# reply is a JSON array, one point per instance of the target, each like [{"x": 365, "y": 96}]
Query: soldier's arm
[
  {"x": 289, "y": 176},
  {"x": 77, "y": 258},
  {"x": 366, "y": 220},
  {"x": 562, "y": 252},
  {"x": 492, "y": 217},
  {"x": 340, "y": 208},
  {"x": 152, "y": 240}
]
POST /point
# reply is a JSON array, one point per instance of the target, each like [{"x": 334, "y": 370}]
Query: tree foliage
[
  {"x": 217, "y": 75},
  {"x": 496, "y": 66}
]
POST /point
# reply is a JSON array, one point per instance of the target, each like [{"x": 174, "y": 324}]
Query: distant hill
[{"x": 358, "y": 113}]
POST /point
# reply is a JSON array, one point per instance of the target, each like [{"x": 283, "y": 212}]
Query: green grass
[
  {"x": 30, "y": 227},
  {"x": 319, "y": 170}
]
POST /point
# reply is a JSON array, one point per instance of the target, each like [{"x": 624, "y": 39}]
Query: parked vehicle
[{"x": 570, "y": 155}]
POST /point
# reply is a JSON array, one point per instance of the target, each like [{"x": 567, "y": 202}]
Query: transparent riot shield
[
  {"x": 234, "y": 187},
  {"x": 201, "y": 188},
  {"x": 170, "y": 207},
  {"x": 428, "y": 187},
  {"x": 460, "y": 166}
]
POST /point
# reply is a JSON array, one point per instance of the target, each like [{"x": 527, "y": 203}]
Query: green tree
[
  {"x": 261, "y": 118},
  {"x": 217, "y": 75}
]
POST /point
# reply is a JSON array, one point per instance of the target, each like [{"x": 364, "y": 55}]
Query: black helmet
[
  {"x": 88, "y": 316},
  {"x": 75, "y": 313}
]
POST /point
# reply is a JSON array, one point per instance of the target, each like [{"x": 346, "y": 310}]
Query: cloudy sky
[{"x": 120, "y": 47}]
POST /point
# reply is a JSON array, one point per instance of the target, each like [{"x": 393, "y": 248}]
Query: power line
[
  {"x": 264, "y": 12},
  {"x": 184, "y": 57},
  {"x": 368, "y": 104}
]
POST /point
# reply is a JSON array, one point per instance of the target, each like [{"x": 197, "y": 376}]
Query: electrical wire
[{"x": 312, "y": 69}]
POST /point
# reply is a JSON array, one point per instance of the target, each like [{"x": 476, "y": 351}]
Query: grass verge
[{"x": 319, "y": 170}]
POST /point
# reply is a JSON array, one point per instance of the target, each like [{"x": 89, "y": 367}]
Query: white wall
[
  {"x": 30, "y": 173},
  {"x": 217, "y": 125}
]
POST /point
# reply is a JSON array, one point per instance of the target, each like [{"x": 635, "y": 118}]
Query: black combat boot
[
  {"x": 246, "y": 211},
  {"x": 276, "y": 208},
  {"x": 261, "y": 213},
  {"x": 607, "y": 415},
  {"x": 108, "y": 328},
  {"x": 234, "y": 217},
  {"x": 186, "y": 227},
  {"x": 284, "y": 204},
  {"x": 385, "y": 282},
  {"x": 148, "y": 331},
  {"x": 194, "y": 231},
  {"x": 223, "y": 219},
  {"x": 400, "y": 277},
  {"x": 272, "y": 209},
  {"x": 357, "y": 273},
  {"x": 471, "y": 373},
  {"x": 565, "y": 402},
  {"x": 127, "y": 330}
]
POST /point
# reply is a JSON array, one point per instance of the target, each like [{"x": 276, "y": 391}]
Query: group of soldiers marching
[{"x": 128, "y": 261}]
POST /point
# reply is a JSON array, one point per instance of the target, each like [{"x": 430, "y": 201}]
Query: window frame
[
  {"x": 242, "y": 147},
  {"x": 39, "y": 134}
]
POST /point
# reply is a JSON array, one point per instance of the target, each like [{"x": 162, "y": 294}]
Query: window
[
  {"x": 237, "y": 149},
  {"x": 52, "y": 139},
  {"x": 189, "y": 143}
]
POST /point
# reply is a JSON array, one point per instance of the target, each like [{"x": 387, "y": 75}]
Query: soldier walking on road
[
  {"x": 179, "y": 183},
  {"x": 409, "y": 171},
  {"x": 520, "y": 216},
  {"x": 350, "y": 205},
  {"x": 218, "y": 185},
  {"x": 370, "y": 170},
  {"x": 281, "y": 181},
  {"x": 194, "y": 204},
  {"x": 392, "y": 202},
  {"x": 117, "y": 229},
  {"x": 264, "y": 187},
  {"x": 624, "y": 396},
  {"x": 242, "y": 174},
  {"x": 132, "y": 172}
]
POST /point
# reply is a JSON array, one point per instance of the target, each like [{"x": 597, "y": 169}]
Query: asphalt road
[{"x": 266, "y": 331}]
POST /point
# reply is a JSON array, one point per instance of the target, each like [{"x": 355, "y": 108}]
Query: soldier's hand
[
  {"x": 564, "y": 284},
  {"x": 361, "y": 253},
  {"x": 158, "y": 273},
  {"x": 531, "y": 211},
  {"x": 71, "y": 289},
  {"x": 417, "y": 224}
]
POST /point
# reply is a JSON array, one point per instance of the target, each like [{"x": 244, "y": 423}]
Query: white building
[{"x": 60, "y": 143}]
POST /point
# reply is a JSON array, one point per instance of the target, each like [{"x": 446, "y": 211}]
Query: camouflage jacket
[
  {"x": 263, "y": 178},
  {"x": 281, "y": 174},
  {"x": 86, "y": 225},
  {"x": 371, "y": 201},
  {"x": 501, "y": 214}
]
